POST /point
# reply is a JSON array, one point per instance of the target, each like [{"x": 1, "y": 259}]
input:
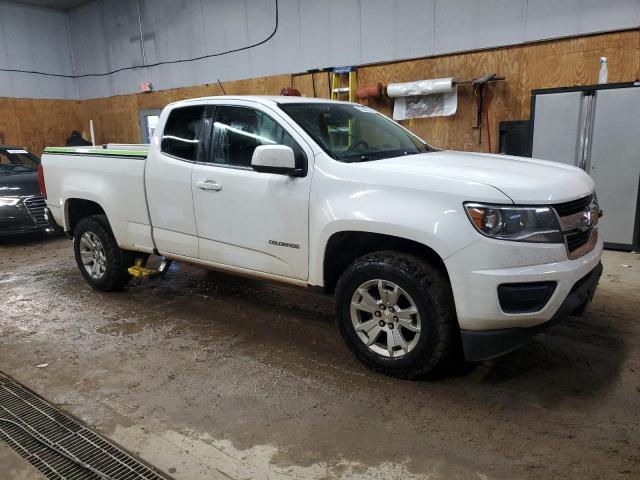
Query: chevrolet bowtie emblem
[{"x": 590, "y": 216}]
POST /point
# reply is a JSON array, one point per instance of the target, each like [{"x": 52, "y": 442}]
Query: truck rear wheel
[
  {"x": 102, "y": 263},
  {"x": 396, "y": 314}
]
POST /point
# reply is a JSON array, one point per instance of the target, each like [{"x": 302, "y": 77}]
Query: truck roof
[{"x": 263, "y": 99}]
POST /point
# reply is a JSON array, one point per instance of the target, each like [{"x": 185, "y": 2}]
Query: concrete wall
[
  {"x": 311, "y": 34},
  {"x": 33, "y": 38},
  {"x": 105, "y": 36}
]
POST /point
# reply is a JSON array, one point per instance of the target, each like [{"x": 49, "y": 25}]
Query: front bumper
[
  {"x": 478, "y": 270},
  {"x": 485, "y": 344}
]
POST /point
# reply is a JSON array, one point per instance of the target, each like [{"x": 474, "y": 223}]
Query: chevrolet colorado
[{"x": 426, "y": 251}]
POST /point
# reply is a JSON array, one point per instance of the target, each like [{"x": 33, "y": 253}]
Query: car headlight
[
  {"x": 523, "y": 224},
  {"x": 8, "y": 201}
]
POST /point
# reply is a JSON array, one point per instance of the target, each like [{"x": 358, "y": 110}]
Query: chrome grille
[
  {"x": 36, "y": 205},
  {"x": 59, "y": 446},
  {"x": 570, "y": 208},
  {"x": 577, "y": 239},
  {"x": 579, "y": 225}
]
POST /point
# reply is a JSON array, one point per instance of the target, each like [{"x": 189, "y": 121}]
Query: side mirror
[{"x": 275, "y": 159}]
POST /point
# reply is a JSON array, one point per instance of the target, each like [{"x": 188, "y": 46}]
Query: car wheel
[
  {"x": 396, "y": 313},
  {"x": 102, "y": 263}
]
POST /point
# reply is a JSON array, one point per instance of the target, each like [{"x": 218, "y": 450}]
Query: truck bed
[{"x": 111, "y": 177}]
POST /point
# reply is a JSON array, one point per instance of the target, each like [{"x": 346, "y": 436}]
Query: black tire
[
  {"x": 430, "y": 290},
  {"x": 115, "y": 276}
]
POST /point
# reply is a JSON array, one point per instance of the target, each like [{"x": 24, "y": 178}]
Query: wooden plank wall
[
  {"x": 34, "y": 124},
  {"x": 551, "y": 64},
  {"x": 558, "y": 63}
]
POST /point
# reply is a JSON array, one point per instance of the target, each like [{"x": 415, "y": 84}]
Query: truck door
[
  {"x": 248, "y": 219},
  {"x": 168, "y": 181}
]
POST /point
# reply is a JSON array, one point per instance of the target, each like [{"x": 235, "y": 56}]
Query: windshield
[
  {"x": 354, "y": 133},
  {"x": 15, "y": 161}
]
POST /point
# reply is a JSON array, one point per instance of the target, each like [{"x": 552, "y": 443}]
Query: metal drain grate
[{"x": 58, "y": 445}]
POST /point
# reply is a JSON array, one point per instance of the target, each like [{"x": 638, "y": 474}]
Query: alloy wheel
[
  {"x": 385, "y": 318},
  {"x": 93, "y": 256}
]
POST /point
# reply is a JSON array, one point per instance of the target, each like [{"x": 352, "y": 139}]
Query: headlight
[
  {"x": 8, "y": 201},
  {"x": 523, "y": 224}
]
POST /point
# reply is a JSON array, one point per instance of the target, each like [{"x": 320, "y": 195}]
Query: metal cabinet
[
  {"x": 596, "y": 128},
  {"x": 556, "y": 126}
]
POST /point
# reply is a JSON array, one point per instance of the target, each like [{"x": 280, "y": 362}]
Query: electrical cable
[
  {"x": 486, "y": 114},
  {"x": 157, "y": 64}
]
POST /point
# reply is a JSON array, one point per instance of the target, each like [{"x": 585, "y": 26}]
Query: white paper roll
[{"x": 421, "y": 87}]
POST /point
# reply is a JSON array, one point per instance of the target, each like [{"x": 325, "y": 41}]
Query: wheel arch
[
  {"x": 344, "y": 247},
  {"x": 76, "y": 209}
]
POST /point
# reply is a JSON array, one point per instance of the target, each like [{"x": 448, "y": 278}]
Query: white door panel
[
  {"x": 168, "y": 242},
  {"x": 248, "y": 219},
  {"x": 168, "y": 183},
  {"x": 175, "y": 148},
  {"x": 252, "y": 220}
]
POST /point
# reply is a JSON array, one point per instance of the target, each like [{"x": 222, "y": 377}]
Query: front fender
[
  {"x": 430, "y": 215},
  {"x": 436, "y": 242}
]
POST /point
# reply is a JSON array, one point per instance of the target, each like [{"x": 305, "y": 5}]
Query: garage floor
[{"x": 210, "y": 376}]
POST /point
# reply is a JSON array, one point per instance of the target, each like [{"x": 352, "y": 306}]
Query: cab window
[
  {"x": 181, "y": 134},
  {"x": 238, "y": 131}
]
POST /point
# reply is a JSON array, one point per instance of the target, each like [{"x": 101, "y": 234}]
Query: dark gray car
[{"x": 21, "y": 204}]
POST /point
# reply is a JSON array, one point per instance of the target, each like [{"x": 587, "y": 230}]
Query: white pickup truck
[{"x": 428, "y": 252}]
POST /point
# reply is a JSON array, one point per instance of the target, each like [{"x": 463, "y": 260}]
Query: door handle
[{"x": 209, "y": 185}]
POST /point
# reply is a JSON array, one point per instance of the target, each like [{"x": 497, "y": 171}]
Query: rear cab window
[{"x": 182, "y": 132}]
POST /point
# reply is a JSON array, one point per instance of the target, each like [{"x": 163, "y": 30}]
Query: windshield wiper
[
  {"x": 377, "y": 155},
  {"x": 359, "y": 158},
  {"x": 365, "y": 157},
  {"x": 405, "y": 153}
]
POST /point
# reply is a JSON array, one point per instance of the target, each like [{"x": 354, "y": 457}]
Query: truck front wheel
[
  {"x": 102, "y": 263},
  {"x": 396, "y": 314}
]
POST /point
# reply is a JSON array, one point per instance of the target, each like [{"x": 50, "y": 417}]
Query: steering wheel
[{"x": 359, "y": 142}]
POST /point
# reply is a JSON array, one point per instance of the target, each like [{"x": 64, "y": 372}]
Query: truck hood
[{"x": 523, "y": 180}]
